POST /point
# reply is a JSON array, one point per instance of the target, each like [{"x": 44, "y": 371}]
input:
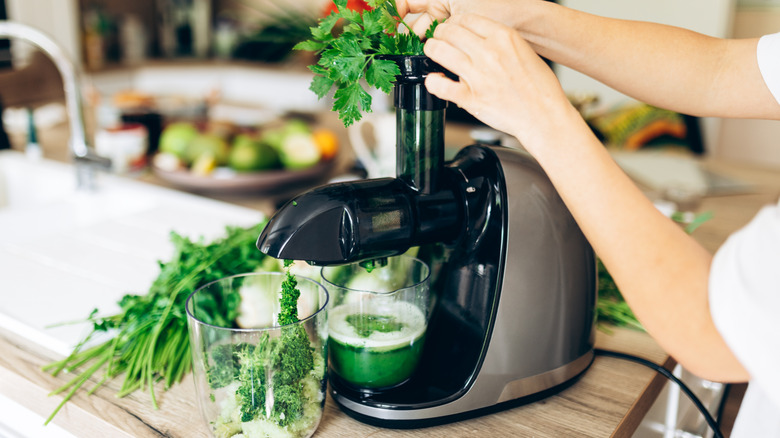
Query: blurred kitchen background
[
  {"x": 189, "y": 54},
  {"x": 220, "y": 49}
]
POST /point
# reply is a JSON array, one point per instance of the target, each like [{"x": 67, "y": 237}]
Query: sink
[{"x": 64, "y": 252}]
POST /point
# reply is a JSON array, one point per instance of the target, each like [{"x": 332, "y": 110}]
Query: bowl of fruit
[{"x": 220, "y": 157}]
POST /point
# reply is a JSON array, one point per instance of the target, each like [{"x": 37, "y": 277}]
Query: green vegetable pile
[
  {"x": 286, "y": 368},
  {"x": 354, "y": 54},
  {"x": 148, "y": 338}
]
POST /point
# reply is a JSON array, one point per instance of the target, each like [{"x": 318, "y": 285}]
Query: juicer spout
[{"x": 355, "y": 221}]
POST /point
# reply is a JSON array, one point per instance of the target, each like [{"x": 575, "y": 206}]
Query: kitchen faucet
[{"x": 86, "y": 160}]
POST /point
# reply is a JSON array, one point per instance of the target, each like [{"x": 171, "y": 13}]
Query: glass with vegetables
[
  {"x": 263, "y": 374},
  {"x": 378, "y": 318}
]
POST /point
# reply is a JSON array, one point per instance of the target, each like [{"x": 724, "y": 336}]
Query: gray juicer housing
[{"x": 515, "y": 285}]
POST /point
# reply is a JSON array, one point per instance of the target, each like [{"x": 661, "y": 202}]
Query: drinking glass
[
  {"x": 252, "y": 376},
  {"x": 377, "y": 321}
]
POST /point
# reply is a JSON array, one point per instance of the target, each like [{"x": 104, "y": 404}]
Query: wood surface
[{"x": 612, "y": 394}]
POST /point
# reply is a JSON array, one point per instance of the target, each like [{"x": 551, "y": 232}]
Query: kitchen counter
[{"x": 610, "y": 399}]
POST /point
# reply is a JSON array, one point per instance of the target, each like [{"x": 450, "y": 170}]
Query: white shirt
[{"x": 744, "y": 293}]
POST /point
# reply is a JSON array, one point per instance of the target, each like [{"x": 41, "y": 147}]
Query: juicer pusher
[{"x": 516, "y": 289}]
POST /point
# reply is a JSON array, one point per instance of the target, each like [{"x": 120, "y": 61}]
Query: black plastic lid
[{"x": 409, "y": 92}]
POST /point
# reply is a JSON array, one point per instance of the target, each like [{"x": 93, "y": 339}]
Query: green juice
[{"x": 375, "y": 347}]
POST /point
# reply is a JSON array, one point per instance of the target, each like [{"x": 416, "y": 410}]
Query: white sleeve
[
  {"x": 768, "y": 54},
  {"x": 744, "y": 293}
]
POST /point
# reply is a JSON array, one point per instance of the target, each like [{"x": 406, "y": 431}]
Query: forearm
[
  {"x": 661, "y": 65},
  {"x": 660, "y": 270}
]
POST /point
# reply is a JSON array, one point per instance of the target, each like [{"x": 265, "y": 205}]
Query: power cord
[{"x": 668, "y": 374}]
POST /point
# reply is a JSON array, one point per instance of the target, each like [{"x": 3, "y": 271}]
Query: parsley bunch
[
  {"x": 148, "y": 337},
  {"x": 355, "y": 54}
]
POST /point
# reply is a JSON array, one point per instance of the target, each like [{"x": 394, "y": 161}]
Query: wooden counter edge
[
  {"x": 640, "y": 344},
  {"x": 637, "y": 412},
  {"x": 22, "y": 379}
]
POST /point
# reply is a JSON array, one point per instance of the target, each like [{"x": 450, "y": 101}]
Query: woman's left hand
[{"x": 502, "y": 81}]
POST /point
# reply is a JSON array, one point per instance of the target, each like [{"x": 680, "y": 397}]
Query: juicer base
[{"x": 417, "y": 423}]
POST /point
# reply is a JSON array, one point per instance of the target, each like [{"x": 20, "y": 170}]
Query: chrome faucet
[{"x": 85, "y": 159}]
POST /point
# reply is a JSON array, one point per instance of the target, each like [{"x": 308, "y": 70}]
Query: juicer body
[
  {"x": 515, "y": 301},
  {"x": 513, "y": 277}
]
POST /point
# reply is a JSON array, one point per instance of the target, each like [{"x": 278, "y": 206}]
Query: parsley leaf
[
  {"x": 381, "y": 73},
  {"x": 349, "y": 101},
  {"x": 348, "y": 43}
]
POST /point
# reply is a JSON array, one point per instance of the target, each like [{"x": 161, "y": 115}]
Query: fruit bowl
[
  {"x": 225, "y": 180},
  {"x": 222, "y": 158}
]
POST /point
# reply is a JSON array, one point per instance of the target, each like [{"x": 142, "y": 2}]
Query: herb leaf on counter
[{"x": 149, "y": 339}]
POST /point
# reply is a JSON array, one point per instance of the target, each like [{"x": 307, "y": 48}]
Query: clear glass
[
  {"x": 254, "y": 378},
  {"x": 377, "y": 321}
]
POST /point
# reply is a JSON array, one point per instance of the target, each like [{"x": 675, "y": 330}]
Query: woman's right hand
[
  {"x": 501, "y": 80},
  {"x": 503, "y": 11},
  {"x": 428, "y": 10}
]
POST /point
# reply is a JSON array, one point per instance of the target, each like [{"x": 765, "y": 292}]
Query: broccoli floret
[
  {"x": 252, "y": 380},
  {"x": 288, "y": 302},
  {"x": 225, "y": 364},
  {"x": 293, "y": 360},
  {"x": 293, "y": 356},
  {"x": 288, "y": 403}
]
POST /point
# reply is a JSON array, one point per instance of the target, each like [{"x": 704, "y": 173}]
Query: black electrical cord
[{"x": 668, "y": 374}]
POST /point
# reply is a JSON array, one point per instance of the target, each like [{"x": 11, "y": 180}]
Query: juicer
[{"x": 514, "y": 279}]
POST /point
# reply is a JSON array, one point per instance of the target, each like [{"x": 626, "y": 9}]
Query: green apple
[
  {"x": 248, "y": 154},
  {"x": 299, "y": 151},
  {"x": 207, "y": 144},
  {"x": 176, "y": 137}
]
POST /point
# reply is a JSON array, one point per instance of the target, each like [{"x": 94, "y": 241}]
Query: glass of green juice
[{"x": 377, "y": 321}]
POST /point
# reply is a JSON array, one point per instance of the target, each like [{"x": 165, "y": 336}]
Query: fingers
[
  {"x": 488, "y": 59},
  {"x": 437, "y": 9},
  {"x": 445, "y": 88},
  {"x": 479, "y": 25},
  {"x": 428, "y": 10},
  {"x": 422, "y": 23},
  {"x": 449, "y": 56},
  {"x": 460, "y": 36}
]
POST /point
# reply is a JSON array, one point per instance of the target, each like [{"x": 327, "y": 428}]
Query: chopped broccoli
[
  {"x": 288, "y": 403},
  {"x": 289, "y": 298},
  {"x": 276, "y": 383},
  {"x": 225, "y": 364},
  {"x": 293, "y": 360},
  {"x": 252, "y": 378}
]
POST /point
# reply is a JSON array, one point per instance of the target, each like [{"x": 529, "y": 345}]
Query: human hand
[
  {"x": 505, "y": 11},
  {"x": 429, "y": 11},
  {"x": 502, "y": 81}
]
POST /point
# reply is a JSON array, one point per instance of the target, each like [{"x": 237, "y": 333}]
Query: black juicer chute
[{"x": 515, "y": 287}]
